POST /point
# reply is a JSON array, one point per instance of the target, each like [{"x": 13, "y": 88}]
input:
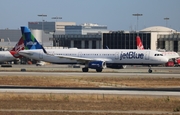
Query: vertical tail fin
[
  {"x": 30, "y": 41},
  {"x": 139, "y": 43},
  {"x": 18, "y": 47}
]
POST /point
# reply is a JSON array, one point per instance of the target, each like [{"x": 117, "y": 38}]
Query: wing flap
[
  {"x": 82, "y": 59},
  {"x": 26, "y": 53},
  {"x": 74, "y": 58}
]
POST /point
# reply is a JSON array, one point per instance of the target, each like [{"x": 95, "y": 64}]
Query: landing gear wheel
[
  {"x": 85, "y": 69},
  {"x": 150, "y": 71},
  {"x": 98, "y": 70}
]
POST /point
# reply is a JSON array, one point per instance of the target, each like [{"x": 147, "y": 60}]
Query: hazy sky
[{"x": 116, "y": 14}]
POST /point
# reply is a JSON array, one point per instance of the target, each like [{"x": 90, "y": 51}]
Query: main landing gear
[
  {"x": 98, "y": 70},
  {"x": 87, "y": 69},
  {"x": 150, "y": 70}
]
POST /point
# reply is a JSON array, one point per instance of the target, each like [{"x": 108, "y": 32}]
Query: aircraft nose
[{"x": 164, "y": 59}]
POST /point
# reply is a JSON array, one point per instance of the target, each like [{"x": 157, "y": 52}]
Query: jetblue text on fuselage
[{"x": 131, "y": 55}]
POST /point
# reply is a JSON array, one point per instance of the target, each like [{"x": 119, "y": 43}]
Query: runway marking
[
  {"x": 78, "y": 73},
  {"x": 92, "y": 111},
  {"x": 150, "y": 93}
]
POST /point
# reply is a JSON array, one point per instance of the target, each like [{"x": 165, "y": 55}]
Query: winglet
[
  {"x": 139, "y": 43},
  {"x": 30, "y": 41}
]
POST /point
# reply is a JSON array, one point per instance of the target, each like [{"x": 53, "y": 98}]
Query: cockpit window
[{"x": 158, "y": 54}]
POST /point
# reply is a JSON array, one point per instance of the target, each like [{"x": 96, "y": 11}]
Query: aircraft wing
[
  {"x": 82, "y": 59},
  {"x": 27, "y": 53}
]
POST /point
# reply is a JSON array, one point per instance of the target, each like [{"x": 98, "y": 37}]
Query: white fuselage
[
  {"x": 6, "y": 56},
  {"x": 118, "y": 56},
  {"x": 171, "y": 55}
]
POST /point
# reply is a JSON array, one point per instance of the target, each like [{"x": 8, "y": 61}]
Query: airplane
[
  {"x": 97, "y": 59},
  {"x": 13, "y": 53},
  {"x": 169, "y": 55}
]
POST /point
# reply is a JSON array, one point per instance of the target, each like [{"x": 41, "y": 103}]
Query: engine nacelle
[
  {"x": 116, "y": 66},
  {"x": 97, "y": 65}
]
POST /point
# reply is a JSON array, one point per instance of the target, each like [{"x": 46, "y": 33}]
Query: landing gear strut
[{"x": 150, "y": 70}]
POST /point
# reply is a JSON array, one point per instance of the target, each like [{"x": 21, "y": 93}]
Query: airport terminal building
[
  {"x": 93, "y": 36},
  {"x": 156, "y": 37},
  {"x": 85, "y": 36},
  {"x": 50, "y": 27}
]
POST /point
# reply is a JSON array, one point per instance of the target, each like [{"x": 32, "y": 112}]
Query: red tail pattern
[
  {"x": 18, "y": 47},
  {"x": 139, "y": 43}
]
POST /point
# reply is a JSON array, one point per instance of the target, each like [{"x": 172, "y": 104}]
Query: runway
[
  {"x": 88, "y": 90},
  {"x": 131, "y": 72},
  {"x": 163, "y": 75},
  {"x": 72, "y": 91}
]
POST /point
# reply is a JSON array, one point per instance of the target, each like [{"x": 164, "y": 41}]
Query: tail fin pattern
[
  {"x": 139, "y": 43},
  {"x": 30, "y": 41},
  {"x": 18, "y": 47}
]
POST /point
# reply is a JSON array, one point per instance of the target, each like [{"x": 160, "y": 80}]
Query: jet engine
[{"x": 97, "y": 65}]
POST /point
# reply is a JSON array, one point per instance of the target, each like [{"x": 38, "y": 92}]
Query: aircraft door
[
  {"x": 117, "y": 55},
  {"x": 2, "y": 56},
  {"x": 40, "y": 55},
  {"x": 147, "y": 55}
]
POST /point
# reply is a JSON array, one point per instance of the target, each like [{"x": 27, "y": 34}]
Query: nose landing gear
[{"x": 150, "y": 70}]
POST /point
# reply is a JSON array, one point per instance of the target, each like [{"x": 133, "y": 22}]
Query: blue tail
[{"x": 30, "y": 41}]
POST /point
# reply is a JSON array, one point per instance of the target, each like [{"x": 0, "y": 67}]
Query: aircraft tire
[
  {"x": 85, "y": 69},
  {"x": 98, "y": 70},
  {"x": 150, "y": 71}
]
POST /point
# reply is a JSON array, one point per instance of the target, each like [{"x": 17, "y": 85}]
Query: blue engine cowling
[{"x": 97, "y": 65}]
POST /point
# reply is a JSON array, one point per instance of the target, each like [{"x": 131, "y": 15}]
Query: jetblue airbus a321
[{"x": 92, "y": 58}]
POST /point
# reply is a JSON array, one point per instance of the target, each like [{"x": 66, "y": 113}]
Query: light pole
[
  {"x": 166, "y": 21},
  {"x": 56, "y": 18},
  {"x": 137, "y": 18},
  {"x": 42, "y": 15}
]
